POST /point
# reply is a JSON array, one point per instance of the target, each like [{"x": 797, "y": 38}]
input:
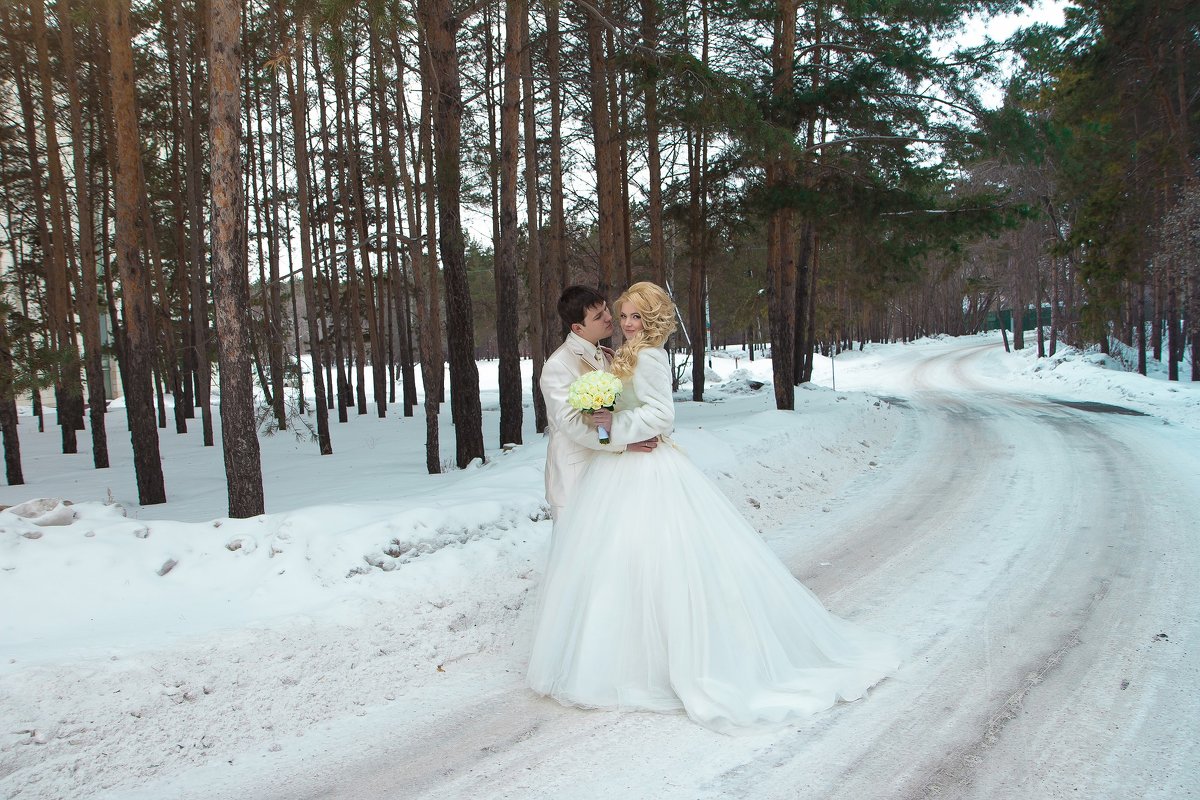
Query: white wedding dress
[{"x": 671, "y": 601}]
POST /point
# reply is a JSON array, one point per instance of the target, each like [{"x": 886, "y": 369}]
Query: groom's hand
[
  {"x": 603, "y": 417},
  {"x": 642, "y": 447}
]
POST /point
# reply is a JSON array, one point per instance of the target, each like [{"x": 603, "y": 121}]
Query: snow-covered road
[
  {"x": 1039, "y": 556},
  {"x": 1039, "y": 559},
  {"x": 1042, "y": 561}
]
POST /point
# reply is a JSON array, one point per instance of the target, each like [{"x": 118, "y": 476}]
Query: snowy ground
[{"x": 1034, "y": 543}]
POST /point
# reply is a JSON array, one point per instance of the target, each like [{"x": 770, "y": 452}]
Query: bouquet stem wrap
[
  {"x": 604, "y": 437},
  {"x": 593, "y": 391}
]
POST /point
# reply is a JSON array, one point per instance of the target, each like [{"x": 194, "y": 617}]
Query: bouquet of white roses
[{"x": 593, "y": 391}]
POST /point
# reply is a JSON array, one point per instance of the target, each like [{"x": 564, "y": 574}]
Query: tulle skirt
[{"x": 660, "y": 596}]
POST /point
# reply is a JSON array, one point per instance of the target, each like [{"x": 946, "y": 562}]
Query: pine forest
[{"x": 301, "y": 206}]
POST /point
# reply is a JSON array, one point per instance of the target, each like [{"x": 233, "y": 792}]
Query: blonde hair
[{"x": 658, "y": 323}]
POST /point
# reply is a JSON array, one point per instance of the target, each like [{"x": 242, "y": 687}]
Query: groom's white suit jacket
[{"x": 572, "y": 442}]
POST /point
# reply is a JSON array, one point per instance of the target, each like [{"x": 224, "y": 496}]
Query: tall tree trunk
[
  {"x": 492, "y": 94},
  {"x": 89, "y": 301},
  {"x": 8, "y": 409},
  {"x": 696, "y": 320},
  {"x": 350, "y": 211},
  {"x": 404, "y": 310},
  {"x": 12, "y": 443},
  {"x": 781, "y": 251},
  {"x": 163, "y": 331},
  {"x": 700, "y": 265},
  {"x": 371, "y": 301},
  {"x": 332, "y": 282},
  {"x": 386, "y": 318},
  {"x": 556, "y": 278},
  {"x": 136, "y": 308},
  {"x": 619, "y": 158},
  {"x": 1056, "y": 313},
  {"x": 602, "y": 138},
  {"x": 297, "y": 341},
  {"x": 23, "y": 293},
  {"x": 185, "y": 402},
  {"x": 267, "y": 206},
  {"x": 654, "y": 202},
  {"x": 1174, "y": 329},
  {"x": 190, "y": 105},
  {"x": 533, "y": 254},
  {"x": 507, "y": 300},
  {"x": 811, "y": 312},
  {"x": 231, "y": 290},
  {"x": 698, "y": 294},
  {"x": 431, "y": 236},
  {"x": 67, "y": 389},
  {"x": 1018, "y": 302},
  {"x": 383, "y": 155},
  {"x": 803, "y": 268},
  {"x": 808, "y": 258},
  {"x": 441, "y": 27},
  {"x": 107, "y": 212},
  {"x": 9, "y": 430},
  {"x": 41, "y": 215},
  {"x": 345, "y": 394},
  {"x": 318, "y": 252},
  {"x": 1038, "y": 298},
  {"x": 279, "y": 372},
  {"x": 376, "y": 277},
  {"x": 1157, "y": 330},
  {"x": 428, "y": 337},
  {"x": 1139, "y": 292}
]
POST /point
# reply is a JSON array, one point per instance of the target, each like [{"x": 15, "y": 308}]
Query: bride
[{"x": 672, "y": 601}]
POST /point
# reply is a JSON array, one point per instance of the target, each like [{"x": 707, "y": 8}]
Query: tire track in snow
[{"x": 958, "y": 721}]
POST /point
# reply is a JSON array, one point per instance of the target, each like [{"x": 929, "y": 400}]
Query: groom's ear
[{"x": 576, "y": 327}]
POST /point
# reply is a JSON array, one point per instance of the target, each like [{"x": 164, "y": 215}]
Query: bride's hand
[{"x": 603, "y": 417}]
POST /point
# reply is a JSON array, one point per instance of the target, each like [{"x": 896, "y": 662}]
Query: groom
[{"x": 586, "y": 320}]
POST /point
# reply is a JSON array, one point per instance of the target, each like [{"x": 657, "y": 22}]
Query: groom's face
[{"x": 597, "y": 323}]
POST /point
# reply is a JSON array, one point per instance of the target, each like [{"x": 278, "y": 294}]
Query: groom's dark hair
[{"x": 574, "y": 303}]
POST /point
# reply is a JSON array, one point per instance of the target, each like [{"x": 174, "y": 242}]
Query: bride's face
[{"x": 631, "y": 320}]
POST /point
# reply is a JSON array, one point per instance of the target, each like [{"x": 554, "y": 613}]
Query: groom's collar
[{"x": 584, "y": 349}]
